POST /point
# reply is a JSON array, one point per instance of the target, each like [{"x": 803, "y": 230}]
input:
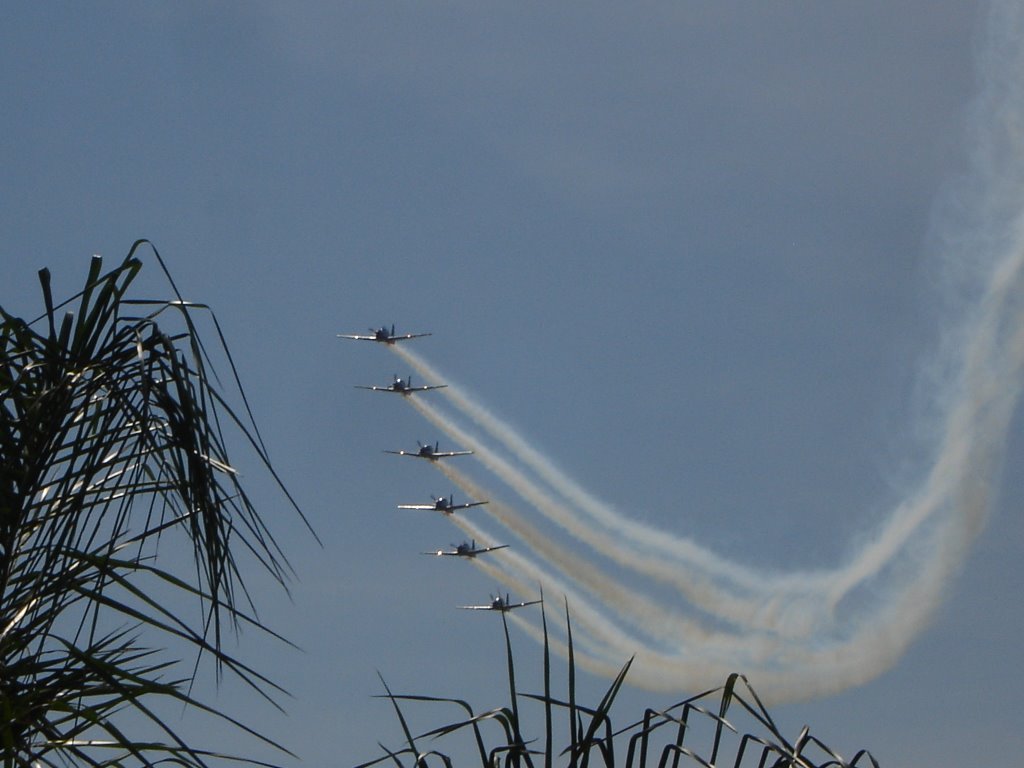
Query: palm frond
[
  {"x": 661, "y": 738},
  {"x": 112, "y": 439}
]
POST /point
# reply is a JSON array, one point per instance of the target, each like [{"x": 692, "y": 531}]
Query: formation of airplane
[
  {"x": 498, "y": 603},
  {"x": 402, "y": 386},
  {"x": 383, "y": 335},
  {"x": 465, "y": 549},
  {"x": 443, "y": 504},
  {"x": 431, "y": 452}
]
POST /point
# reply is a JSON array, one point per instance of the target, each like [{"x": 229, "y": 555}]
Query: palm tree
[{"x": 112, "y": 443}]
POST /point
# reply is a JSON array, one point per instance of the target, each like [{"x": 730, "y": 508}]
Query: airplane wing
[
  {"x": 502, "y": 608},
  {"x": 387, "y": 340},
  {"x": 431, "y": 455},
  {"x": 485, "y": 550},
  {"x": 468, "y": 553},
  {"x": 453, "y": 507},
  {"x": 405, "y": 336},
  {"x": 356, "y": 336},
  {"x": 425, "y": 507},
  {"x": 400, "y": 390},
  {"x": 522, "y": 605}
]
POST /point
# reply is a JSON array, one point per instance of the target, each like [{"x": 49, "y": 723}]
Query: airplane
[
  {"x": 465, "y": 549},
  {"x": 402, "y": 386},
  {"x": 499, "y": 604},
  {"x": 383, "y": 335},
  {"x": 429, "y": 451},
  {"x": 442, "y": 504}
]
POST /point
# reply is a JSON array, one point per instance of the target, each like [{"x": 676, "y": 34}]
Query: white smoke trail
[
  {"x": 706, "y": 656},
  {"x": 513, "y": 569},
  {"x": 765, "y": 610},
  {"x": 974, "y": 437},
  {"x": 792, "y": 631},
  {"x": 650, "y": 539},
  {"x": 606, "y": 645},
  {"x": 652, "y": 618},
  {"x": 956, "y": 490}
]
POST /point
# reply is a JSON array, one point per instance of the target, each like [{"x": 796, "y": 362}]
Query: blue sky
[{"x": 698, "y": 254}]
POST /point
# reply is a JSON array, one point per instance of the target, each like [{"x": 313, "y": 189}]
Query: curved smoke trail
[{"x": 797, "y": 633}]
